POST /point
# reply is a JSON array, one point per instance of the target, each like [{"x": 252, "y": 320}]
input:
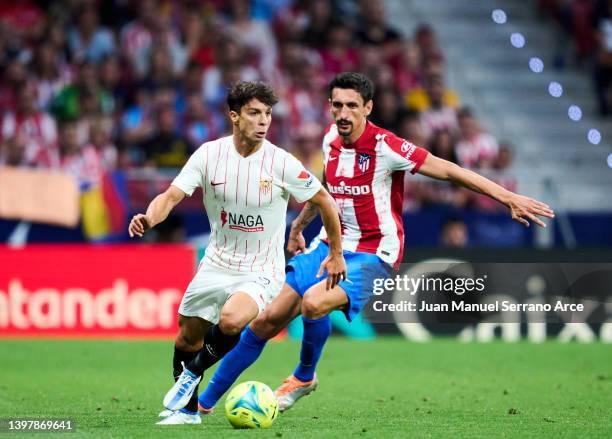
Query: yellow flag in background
[{"x": 94, "y": 214}]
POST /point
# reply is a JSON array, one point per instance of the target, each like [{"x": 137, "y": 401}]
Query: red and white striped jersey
[
  {"x": 246, "y": 202},
  {"x": 482, "y": 147},
  {"x": 366, "y": 179},
  {"x": 40, "y": 131}
]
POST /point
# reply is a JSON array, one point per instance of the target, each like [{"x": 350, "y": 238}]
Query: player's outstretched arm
[
  {"x": 523, "y": 209},
  {"x": 334, "y": 263},
  {"x": 158, "y": 210}
]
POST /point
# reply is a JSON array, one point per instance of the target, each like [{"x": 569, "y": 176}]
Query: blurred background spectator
[
  {"x": 454, "y": 234},
  {"x": 137, "y": 86},
  {"x": 584, "y": 29}
]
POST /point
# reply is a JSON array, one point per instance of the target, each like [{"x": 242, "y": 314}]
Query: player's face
[
  {"x": 349, "y": 111},
  {"x": 253, "y": 121}
]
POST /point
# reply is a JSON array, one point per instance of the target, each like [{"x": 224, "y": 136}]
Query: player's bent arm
[
  {"x": 296, "y": 243},
  {"x": 162, "y": 205},
  {"x": 329, "y": 216},
  {"x": 334, "y": 262},
  {"x": 158, "y": 211},
  {"x": 308, "y": 213},
  {"x": 522, "y": 208}
]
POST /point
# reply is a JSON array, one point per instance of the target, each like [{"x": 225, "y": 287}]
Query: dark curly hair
[
  {"x": 242, "y": 92},
  {"x": 354, "y": 81}
]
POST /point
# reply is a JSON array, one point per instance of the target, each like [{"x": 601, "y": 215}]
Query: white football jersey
[{"x": 246, "y": 202}]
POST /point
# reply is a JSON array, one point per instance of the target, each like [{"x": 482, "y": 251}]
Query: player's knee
[
  {"x": 266, "y": 326},
  {"x": 231, "y": 323},
  {"x": 312, "y": 308}
]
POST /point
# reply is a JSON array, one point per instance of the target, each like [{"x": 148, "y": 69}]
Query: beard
[{"x": 345, "y": 127}]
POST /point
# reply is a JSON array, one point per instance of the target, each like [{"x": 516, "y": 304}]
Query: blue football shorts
[{"x": 361, "y": 269}]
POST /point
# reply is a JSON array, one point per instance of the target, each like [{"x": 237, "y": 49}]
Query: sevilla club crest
[{"x": 265, "y": 186}]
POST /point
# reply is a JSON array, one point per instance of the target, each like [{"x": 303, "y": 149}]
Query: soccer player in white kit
[{"x": 246, "y": 183}]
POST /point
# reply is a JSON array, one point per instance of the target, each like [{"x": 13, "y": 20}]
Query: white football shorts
[{"x": 211, "y": 287}]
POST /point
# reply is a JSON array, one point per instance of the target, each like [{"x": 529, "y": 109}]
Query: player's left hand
[
  {"x": 525, "y": 208},
  {"x": 336, "y": 270},
  {"x": 296, "y": 243}
]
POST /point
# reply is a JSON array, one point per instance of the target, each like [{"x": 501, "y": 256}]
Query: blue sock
[
  {"x": 233, "y": 364},
  {"x": 315, "y": 335}
]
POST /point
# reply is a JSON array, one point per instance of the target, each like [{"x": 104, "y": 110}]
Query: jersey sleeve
[
  {"x": 300, "y": 183},
  {"x": 401, "y": 155},
  {"x": 192, "y": 174}
]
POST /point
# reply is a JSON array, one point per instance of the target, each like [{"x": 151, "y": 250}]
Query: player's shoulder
[
  {"x": 275, "y": 151},
  {"x": 220, "y": 142},
  {"x": 382, "y": 134},
  {"x": 380, "y": 140},
  {"x": 285, "y": 158},
  {"x": 213, "y": 145},
  {"x": 391, "y": 140},
  {"x": 278, "y": 159},
  {"x": 269, "y": 146},
  {"x": 392, "y": 146},
  {"x": 285, "y": 165}
]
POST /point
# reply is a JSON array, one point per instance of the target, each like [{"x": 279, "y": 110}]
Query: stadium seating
[{"x": 553, "y": 156}]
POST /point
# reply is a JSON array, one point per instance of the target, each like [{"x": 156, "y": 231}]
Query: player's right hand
[
  {"x": 139, "y": 225},
  {"x": 335, "y": 267},
  {"x": 525, "y": 209},
  {"x": 296, "y": 243}
]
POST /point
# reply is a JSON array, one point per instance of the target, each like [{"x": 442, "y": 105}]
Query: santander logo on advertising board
[
  {"x": 88, "y": 291},
  {"x": 116, "y": 307}
]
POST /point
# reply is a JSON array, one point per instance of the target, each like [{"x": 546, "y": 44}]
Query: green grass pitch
[{"x": 383, "y": 388}]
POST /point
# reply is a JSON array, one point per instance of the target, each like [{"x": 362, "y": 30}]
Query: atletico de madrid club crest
[{"x": 364, "y": 162}]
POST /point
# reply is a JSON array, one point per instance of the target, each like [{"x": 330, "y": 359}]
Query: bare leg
[
  {"x": 275, "y": 317},
  {"x": 319, "y": 302},
  {"x": 284, "y": 308}
]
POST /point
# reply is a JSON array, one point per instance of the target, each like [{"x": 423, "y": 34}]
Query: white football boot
[
  {"x": 180, "y": 394},
  {"x": 165, "y": 413},
  {"x": 179, "y": 418}
]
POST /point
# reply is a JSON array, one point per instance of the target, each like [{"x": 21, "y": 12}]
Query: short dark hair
[
  {"x": 242, "y": 92},
  {"x": 354, "y": 81}
]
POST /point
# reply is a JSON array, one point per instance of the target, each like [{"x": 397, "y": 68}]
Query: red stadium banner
[{"x": 85, "y": 291}]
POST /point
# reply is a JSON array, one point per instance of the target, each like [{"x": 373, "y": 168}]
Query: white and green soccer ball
[{"x": 251, "y": 405}]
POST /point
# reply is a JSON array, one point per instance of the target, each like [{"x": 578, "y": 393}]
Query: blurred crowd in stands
[
  {"x": 587, "y": 26},
  {"x": 92, "y": 86}
]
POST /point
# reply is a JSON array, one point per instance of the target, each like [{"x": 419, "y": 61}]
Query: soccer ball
[{"x": 251, "y": 405}]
